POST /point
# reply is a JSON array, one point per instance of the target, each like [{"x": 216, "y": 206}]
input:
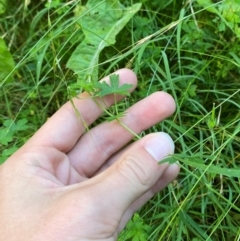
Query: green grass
[{"x": 181, "y": 48}]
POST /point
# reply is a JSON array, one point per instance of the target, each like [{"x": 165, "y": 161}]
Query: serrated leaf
[
  {"x": 113, "y": 88},
  {"x": 6, "y": 153},
  {"x": 192, "y": 90},
  {"x": 21, "y": 125},
  {"x": 136, "y": 229},
  {"x": 9, "y": 124},
  {"x": 9, "y": 129},
  {"x": 101, "y": 21},
  {"x": 6, "y": 62},
  {"x": 9, "y": 151},
  {"x": 6, "y": 136}
]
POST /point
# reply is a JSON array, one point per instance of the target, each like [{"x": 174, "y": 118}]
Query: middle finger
[{"x": 102, "y": 141}]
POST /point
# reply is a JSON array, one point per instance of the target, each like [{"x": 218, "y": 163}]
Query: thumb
[{"x": 136, "y": 171}]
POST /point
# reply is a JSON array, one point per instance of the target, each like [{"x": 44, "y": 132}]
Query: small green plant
[
  {"x": 212, "y": 121},
  {"x": 228, "y": 13},
  {"x": 114, "y": 88},
  {"x": 136, "y": 230},
  {"x": 8, "y": 133}
]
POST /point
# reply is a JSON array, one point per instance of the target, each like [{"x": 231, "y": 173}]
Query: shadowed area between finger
[
  {"x": 135, "y": 172},
  {"x": 66, "y": 126},
  {"x": 100, "y": 143}
]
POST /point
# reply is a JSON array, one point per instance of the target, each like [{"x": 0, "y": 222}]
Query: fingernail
[{"x": 159, "y": 145}]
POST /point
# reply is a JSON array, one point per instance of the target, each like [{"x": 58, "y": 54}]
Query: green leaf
[
  {"x": 113, "y": 88},
  {"x": 6, "y": 63},
  {"x": 136, "y": 230},
  {"x": 6, "y": 153},
  {"x": 6, "y": 136},
  {"x": 9, "y": 151},
  {"x": 197, "y": 162},
  {"x": 9, "y": 124},
  {"x": 100, "y": 21},
  {"x": 221, "y": 27},
  {"x": 10, "y": 128},
  {"x": 208, "y": 5},
  {"x": 3, "y": 6},
  {"x": 231, "y": 10},
  {"x": 192, "y": 90},
  {"x": 21, "y": 125},
  {"x": 228, "y": 11},
  {"x": 212, "y": 121}
]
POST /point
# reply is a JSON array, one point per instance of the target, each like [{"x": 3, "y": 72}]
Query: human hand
[{"x": 68, "y": 184}]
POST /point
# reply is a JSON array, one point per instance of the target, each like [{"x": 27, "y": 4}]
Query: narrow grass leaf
[
  {"x": 197, "y": 162},
  {"x": 192, "y": 225},
  {"x": 179, "y": 30}
]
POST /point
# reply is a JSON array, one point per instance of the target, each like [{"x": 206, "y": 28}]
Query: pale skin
[{"x": 69, "y": 184}]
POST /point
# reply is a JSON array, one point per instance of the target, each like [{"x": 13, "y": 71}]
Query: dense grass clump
[{"x": 189, "y": 49}]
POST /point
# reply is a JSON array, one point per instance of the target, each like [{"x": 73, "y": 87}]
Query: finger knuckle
[{"x": 133, "y": 168}]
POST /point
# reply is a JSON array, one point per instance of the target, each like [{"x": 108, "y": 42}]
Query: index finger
[{"x": 64, "y": 128}]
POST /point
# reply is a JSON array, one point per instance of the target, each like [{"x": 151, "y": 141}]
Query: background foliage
[{"x": 189, "y": 49}]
